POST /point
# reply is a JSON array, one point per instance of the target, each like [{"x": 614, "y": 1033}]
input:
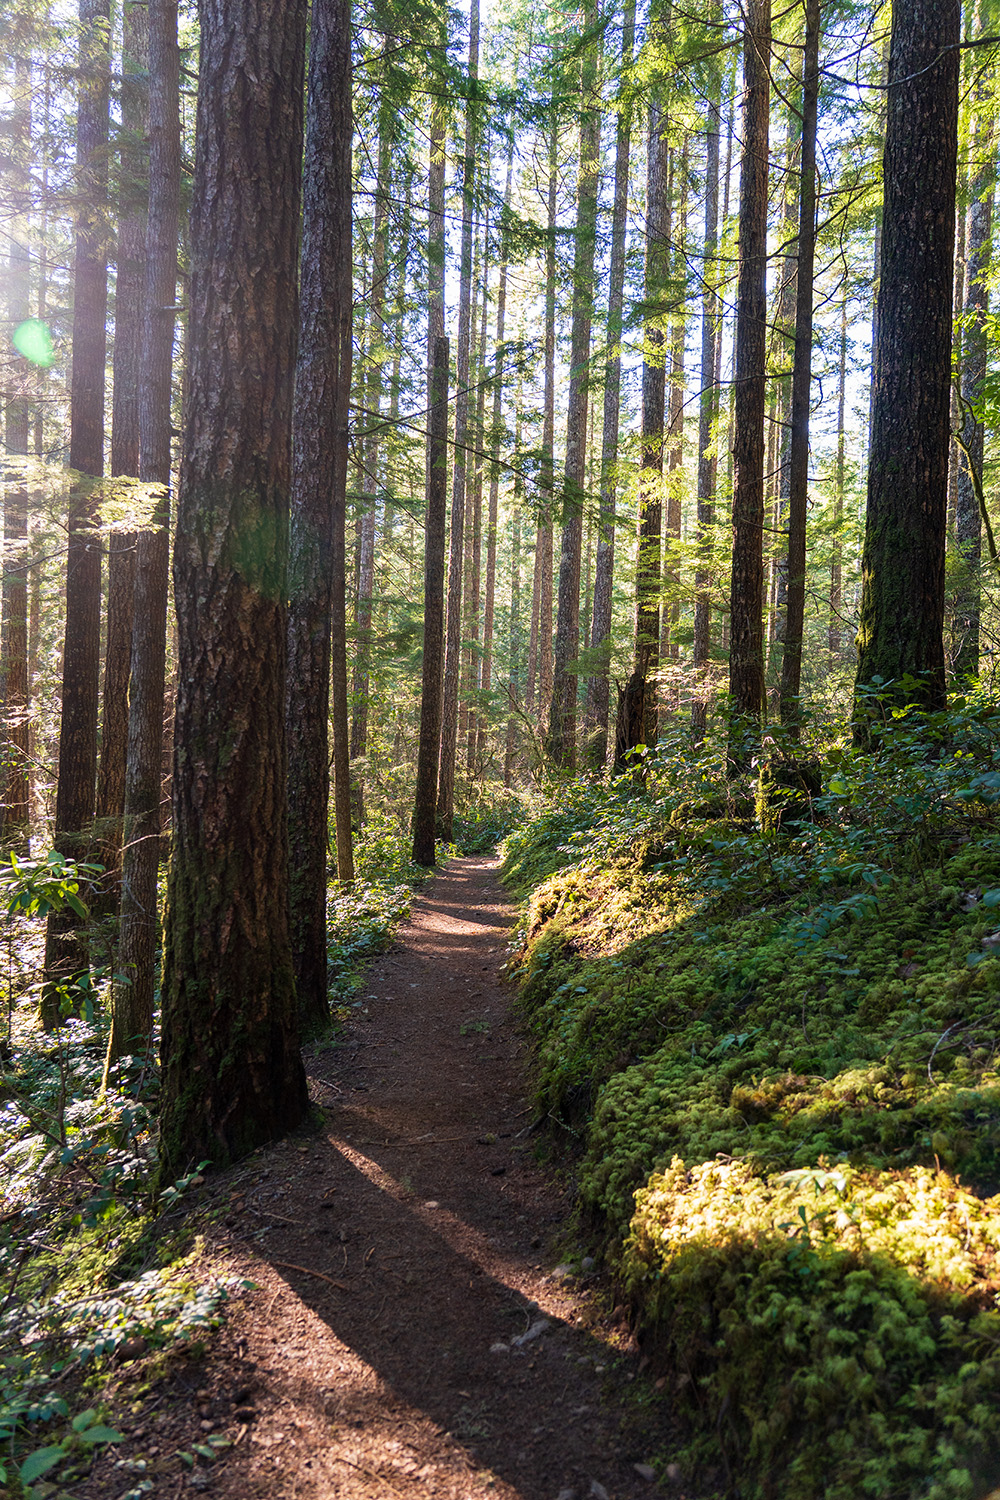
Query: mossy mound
[
  {"x": 718, "y": 1004},
  {"x": 836, "y": 1324}
]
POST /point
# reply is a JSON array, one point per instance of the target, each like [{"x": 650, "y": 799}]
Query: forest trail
[{"x": 400, "y": 1256}]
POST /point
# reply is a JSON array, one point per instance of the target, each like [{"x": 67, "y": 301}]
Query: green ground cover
[{"x": 768, "y": 1011}]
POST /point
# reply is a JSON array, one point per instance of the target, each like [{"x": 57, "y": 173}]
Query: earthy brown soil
[{"x": 412, "y": 1333}]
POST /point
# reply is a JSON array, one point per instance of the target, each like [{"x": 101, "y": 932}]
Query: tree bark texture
[
  {"x": 486, "y": 675},
  {"x": 319, "y": 495},
  {"x": 132, "y": 1003},
  {"x": 746, "y": 641},
  {"x": 65, "y": 947},
  {"x": 902, "y": 590},
  {"x": 565, "y": 682},
  {"x": 232, "y": 1073},
  {"x": 708, "y": 416},
  {"x": 649, "y": 550},
  {"x": 453, "y": 641},
  {"x": 798, "y": 458},
  {"x": 598, "y": 702},
  {"x": 548, "y": 469},
  {"x": 429, "y": 746},
  {"x": 968, "y": 520},
  {"x": 15, "y": 685}
]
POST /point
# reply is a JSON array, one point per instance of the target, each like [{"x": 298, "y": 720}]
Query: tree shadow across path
[{"x": 408, "y": 1336}]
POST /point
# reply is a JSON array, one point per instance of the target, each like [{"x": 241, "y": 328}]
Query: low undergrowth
[{"x": 768, "y": 1011}]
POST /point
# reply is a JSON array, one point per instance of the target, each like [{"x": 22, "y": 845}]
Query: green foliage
[{"x": 813, "y": 992}]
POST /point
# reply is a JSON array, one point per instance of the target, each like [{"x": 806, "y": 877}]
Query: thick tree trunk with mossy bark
[
  {"x": 66, "y": 953},
  {"x": 232, "y": 1073},
  {"x": 319, "y": 496},
  {"x": 746, "y": 642},
  {"x": 902, "y": 593}
]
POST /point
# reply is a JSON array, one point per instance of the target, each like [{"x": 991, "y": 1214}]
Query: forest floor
[{"x": 414, "y": 1328}]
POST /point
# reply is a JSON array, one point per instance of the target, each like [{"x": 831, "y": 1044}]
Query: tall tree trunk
[
  {"x": 669, "y": 649},
  {"x": 746, "y": 646},
  {"x": 598, "y": 685},
  {"x": 15, "y": 684},
  {"x": 453, "y": 642},
  {"x": 548, "y": 468},
  {"x": 968, "y": 519},
  {"x": 429, "y": 747},
  {"x": 474, "y": 534},
  {"x": 565, "y": 682},
  {"x": 637, "y": 706},
  {"x": 361, "y": 687},
  {"x": 836, "y": 551},
  {"x": 129, "y": 281},
  {"x": 132, "y": 1002},
  {"x": 486, "y": 675},
  {"x": 902, "y": 596},
  {"x": 513, "y": 685},
  {"x": 798, "y": 462},
  {"x": 708, "y": 416},
  {"x": 319, "y": 504},
  {"x": 232, "y": 1072},
  {"x": 65, "y": 946}
]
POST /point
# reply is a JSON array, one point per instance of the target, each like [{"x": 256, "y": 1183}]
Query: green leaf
[
  {"x": 991, "y": 898},
  {"x": 40, "y": 1462},
  {"x": 101, "y": 1435},
  {"x": 83, "y": 1419}
]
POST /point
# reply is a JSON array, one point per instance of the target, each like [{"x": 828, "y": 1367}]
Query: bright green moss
[{"x": 708, "y": 997}]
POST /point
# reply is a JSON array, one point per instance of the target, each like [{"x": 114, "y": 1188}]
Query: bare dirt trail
[{"x": 409, "y": 1336}]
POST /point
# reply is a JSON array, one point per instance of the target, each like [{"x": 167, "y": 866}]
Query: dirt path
[{"x": 410, "y": 1335}]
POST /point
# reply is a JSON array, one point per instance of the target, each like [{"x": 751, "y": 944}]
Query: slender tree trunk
[
  {"x": 129, "y": 282},
  {"x": 798, "y": 495},
  {"x": 746, "y": 649},
  {"x": 670, "y": 616},
  {"x": 475, "y": 533},
  {"x": 428, "y": 753},
  {"x": 232, "y": 1072},
  {"x": 902, "y": 598},
  {"x": 708, "y": 417},
  {"x": 598, "y": 686},
  {"x": 836, "y": 551},
  {"x": 65, "y": 946},
  {"x": 547, "y": 486},
  {"x": 132, "y": 1002},
  {"x": 968, "y": 519},
  {"x": 453, "y": 642},
  {"x": 536, "y": 584},
  {"x": 513, "y": 685},
  {"x": 319, "y": 503},
  {"x": 15, "y": 685},
  {"x": 565, "y": 682},
  {"x": 361, "y": 687},
  {"x": 638, "y": 718}
]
